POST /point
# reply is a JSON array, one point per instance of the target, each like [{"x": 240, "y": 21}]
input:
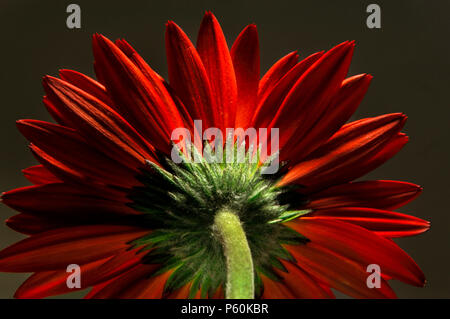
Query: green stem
[{"x": 240, "y": 281}]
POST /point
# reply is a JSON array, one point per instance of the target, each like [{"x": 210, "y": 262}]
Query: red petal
[
  {"x": 54, "y": 282},
  {"x": 97, "y": 288},
  {"x": 51, "y": 283},
  {"x": 182, "y": 293},
  {"x": 52, "y": 109},
  {"x": 361, "y": 246},
  {"x": 269, "y": 104},
  {"x": 38, "y": 174},
  {"x": 132, "y": 54},
  {"x": 101, "y": 126},
  {"x": 188, "y": 76},
  {"x": 312, "y": 93},
  {"x": 147, "y": 288},
  {"x": 339, "y": 111},
  {"x": 31, "y": 224},
  {"x": 301, "y": 284},
  {"x": 375, "y": 194},
  {"x": 350, "y": 153},
  {"x": 61, "y": 200},
  {"x": 59, "y": 248},
  {"x": 213, "y": 50},
  {"x": 141, "y": 98},
  {"x": 245, "y": 56},
  {"x": 275, "y": 73},
  {"x": 275, "y": 290},
  {"x": 384, "y": 223},
  {"x": 120, "y": 263},
  {"x": 66, "y": 149},
  {"x": 86, "y": 84},
  {"x": 118, "y": 287},
  {"x": 337, "y": 271}
]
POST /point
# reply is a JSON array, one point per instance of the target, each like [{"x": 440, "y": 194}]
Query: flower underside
[
  {"x": 110, "y": 196},
  {"x": 180, "y": 203}
]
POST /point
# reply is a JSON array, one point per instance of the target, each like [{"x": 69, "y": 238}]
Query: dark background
[{"x": 408, "y": 56}]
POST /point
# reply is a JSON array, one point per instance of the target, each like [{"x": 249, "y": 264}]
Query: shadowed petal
[
  {"x": 38, "y": 174},
  {"x": 32, "y": 224},
  {"x": 53, "y": 200},
  {"x": 61, "y": 247}
]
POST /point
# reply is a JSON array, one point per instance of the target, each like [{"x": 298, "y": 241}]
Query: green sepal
[{"x": 290, "y": 215}]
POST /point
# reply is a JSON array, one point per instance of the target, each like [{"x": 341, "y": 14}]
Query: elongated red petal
[
  {"x": 350, "y": 153},
  {"x": 382, "y": 222},
  {"x": 146, "y": 288},
  {"x": 213, "y": 50},
  {"x": 337, "y": 271},
  {"x": 300, "y": 284},
  {"x": 52, "y": 109},
  {"x": 38, "y": 174},
  {"x": 245, "y": 56},
  {"x": 275, "y": 290},
  {"x": 65, "y": 146},
  {"x": 54, "y": 282},
  {"x": 376, "y": 194},
  {"x": 100, "y": 125},
  {"x": 141, "y": 98},
  {"x": 269, "y": 103},
  {"x": 95, "y": 289},
  {"x": 119, "y": 286},
  {"x": 64, "y": 172},
  {"x": 312, "y": 93},
  {"x": 59, "y": 248},
  {"x": 139, "y": 61},
  {"x": 120, "y": 263},
  {"x": 188, "y": 76},
  {"x": 86, "y": 84},
  {"x": 276, "y": 73},
  {"x": 32, "y": 224},
  {"x": 157, "y": 79},
  {"x": 64, "y": 200},
  {"x": 361, "y": 246}
]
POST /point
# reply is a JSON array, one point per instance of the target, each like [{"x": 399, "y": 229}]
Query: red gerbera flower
[{"x": 108, "y": 197}]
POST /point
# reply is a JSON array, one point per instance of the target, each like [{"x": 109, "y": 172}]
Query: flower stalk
[{"x": 240, "y": 273}]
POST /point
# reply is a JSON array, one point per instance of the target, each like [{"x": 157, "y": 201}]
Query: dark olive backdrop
[{"x": 408, "y": 58}]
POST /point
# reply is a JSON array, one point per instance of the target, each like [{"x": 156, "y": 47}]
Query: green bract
[{"x": 180, "y": 202}]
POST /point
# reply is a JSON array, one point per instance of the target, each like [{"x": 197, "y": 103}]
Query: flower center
[{"x": 181, "y": 203}]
